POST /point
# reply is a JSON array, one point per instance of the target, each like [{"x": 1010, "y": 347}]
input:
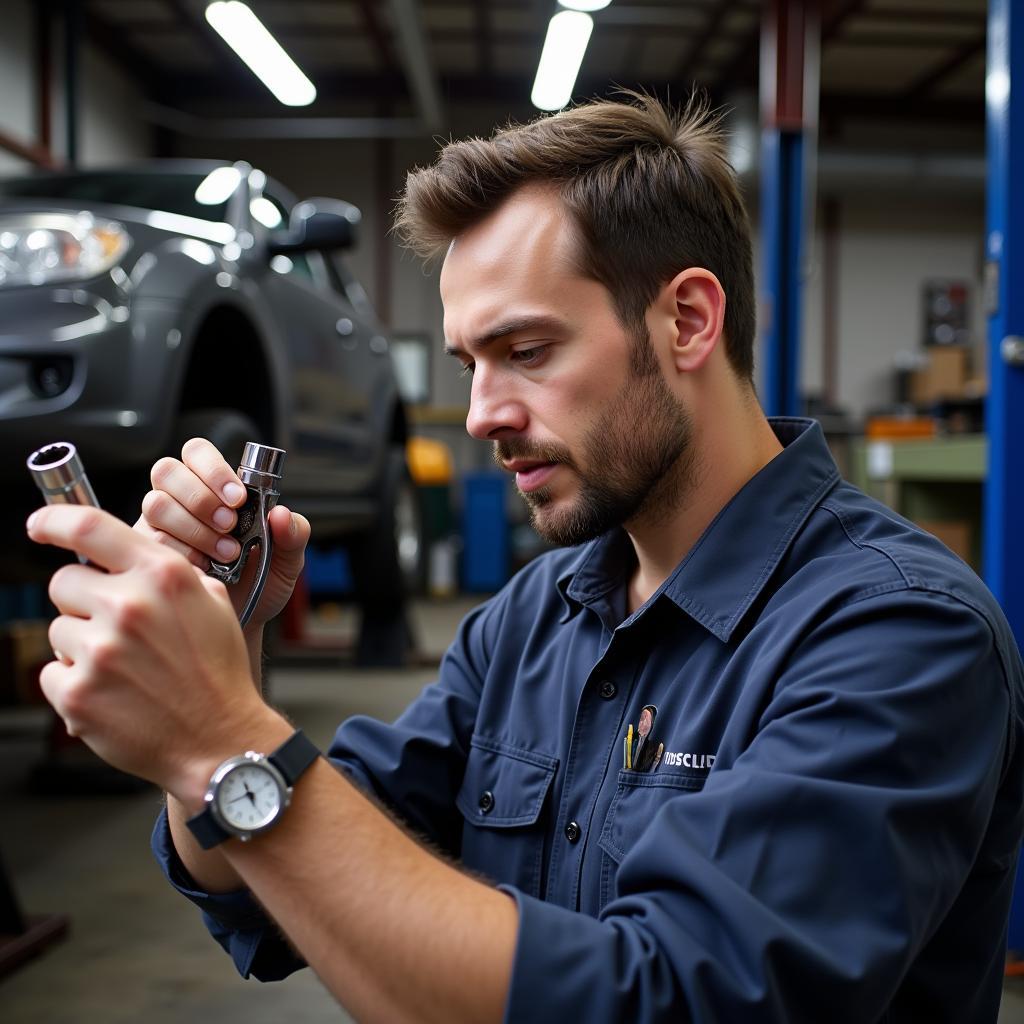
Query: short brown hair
[{"x": 649, "y": 187}]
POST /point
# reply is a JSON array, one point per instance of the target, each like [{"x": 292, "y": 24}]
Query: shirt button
[
  {"x": 572, "y": 831},
  {"x": 486, "y": 801},
  {"x": 608, "y": 689}
]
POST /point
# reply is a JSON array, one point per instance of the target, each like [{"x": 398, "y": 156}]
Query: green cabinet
[{"x": 931, "y": 481}]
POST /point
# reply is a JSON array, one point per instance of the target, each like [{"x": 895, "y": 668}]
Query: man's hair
[{"x": 648, "y": 186}]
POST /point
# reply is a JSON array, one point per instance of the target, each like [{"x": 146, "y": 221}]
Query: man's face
[{"x": 576, "y": 406}]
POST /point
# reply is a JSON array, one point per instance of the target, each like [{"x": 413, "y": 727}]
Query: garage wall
[
  {"x": 111, "y": 128},
  {"x": 17, "y": 81},
  {"x": 889, "y": 246}
]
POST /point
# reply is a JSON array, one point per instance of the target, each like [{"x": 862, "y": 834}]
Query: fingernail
[
  {"x": 31, "y": 519},
  {"x": 227, "y": 548},
  {"x": 293, "y": 527},
  {"x": 223, "y": 518},
  {"x": 234, "y": 493}
]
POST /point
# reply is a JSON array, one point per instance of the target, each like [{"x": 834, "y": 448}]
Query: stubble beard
[{"x": 637, "y": 465}]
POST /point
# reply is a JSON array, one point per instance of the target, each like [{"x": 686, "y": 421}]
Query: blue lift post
[
  {"x": 1003, "y": 555},
  {"x": 790, "y": 40}
]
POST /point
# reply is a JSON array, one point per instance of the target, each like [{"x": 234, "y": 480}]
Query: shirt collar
[{"x": 722, "y": 574}]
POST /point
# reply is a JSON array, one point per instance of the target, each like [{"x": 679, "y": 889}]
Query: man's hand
[
  {"x": 153, "y": 670},
  {"x": 191, "y": 510}
]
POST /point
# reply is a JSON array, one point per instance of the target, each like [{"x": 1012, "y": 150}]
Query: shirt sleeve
[
  {"x": 801, "y": 882},
  {"x": 414, "y": 766}
]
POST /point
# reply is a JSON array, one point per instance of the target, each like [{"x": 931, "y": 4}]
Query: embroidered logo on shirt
[{"x": 688, "y": 760}]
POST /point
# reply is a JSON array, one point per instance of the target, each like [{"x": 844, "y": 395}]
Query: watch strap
[
  {"x": 294, "y": 756},
  {"x": 207, "y": 830},
  {"x": 291, "y": 759}
]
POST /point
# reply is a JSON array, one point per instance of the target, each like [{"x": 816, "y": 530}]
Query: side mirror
[{"x": 318, "y": 224}]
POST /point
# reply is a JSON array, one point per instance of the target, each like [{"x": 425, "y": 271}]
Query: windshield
[{"x": 168, "y": 191}]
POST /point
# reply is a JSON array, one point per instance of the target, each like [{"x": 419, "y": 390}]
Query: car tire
[
  {"x": 226, "y": 429},
  {"x": 387, "y": 563}
]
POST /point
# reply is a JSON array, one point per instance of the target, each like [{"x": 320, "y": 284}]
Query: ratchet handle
[{"x": 260, "y": 471}]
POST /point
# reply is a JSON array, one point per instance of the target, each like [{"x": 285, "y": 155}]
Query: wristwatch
[{"x": 248, "y": 794}]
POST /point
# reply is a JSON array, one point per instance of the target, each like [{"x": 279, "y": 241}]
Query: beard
[{"x": 636, "y": 464}]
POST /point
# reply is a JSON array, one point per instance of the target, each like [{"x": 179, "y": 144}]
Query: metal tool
[
  {"x": 260, "y": 470},
  {"x": 58, "y": 472},
  {"x": 60, "y": 475}
]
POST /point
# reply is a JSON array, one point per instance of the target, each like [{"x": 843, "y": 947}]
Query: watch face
[{"x": 249, "y": 797}]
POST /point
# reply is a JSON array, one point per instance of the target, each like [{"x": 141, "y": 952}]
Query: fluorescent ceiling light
[
  {"x": 217, "y": 186},
  {"x": 265, "y": 212},
  {"x": 585, "y": 5},
  {"x": 560, "y": 60},
  {"x": 249, "y": 38}
]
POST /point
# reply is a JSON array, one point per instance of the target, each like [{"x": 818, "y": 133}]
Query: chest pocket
[
  {"x": 638, "y": 798},
  {"x": 501, "y": 799}
]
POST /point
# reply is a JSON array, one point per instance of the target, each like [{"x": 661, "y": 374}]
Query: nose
[{"x": 494, "y": 408}]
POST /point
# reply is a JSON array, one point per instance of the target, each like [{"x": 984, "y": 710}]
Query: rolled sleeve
[
  {"x": 235, "y": 920},
  {"x": 414, "y": 766},
  {"x": 809, "y": 872}
]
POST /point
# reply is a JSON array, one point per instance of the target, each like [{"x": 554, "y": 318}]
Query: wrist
[
  {"x": 263, "y": 732},
  {"x": 250, "y": 792}
]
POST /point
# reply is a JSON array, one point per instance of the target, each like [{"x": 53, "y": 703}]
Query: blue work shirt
[{"x": 832, "y": 829}]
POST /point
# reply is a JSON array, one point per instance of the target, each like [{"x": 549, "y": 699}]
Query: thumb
[{"x": 291, "y": 533}]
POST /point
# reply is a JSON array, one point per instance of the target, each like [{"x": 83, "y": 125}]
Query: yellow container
[{"x": 430, "y": 462}]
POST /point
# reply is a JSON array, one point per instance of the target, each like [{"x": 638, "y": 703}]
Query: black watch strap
[
  {"x": 205, "y": 827},
  {"x": 294, "y": 756},
  {"x": 291, "y": 759}
]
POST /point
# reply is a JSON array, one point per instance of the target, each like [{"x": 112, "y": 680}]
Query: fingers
[
  {"x": 69, "y": 636},
  {"x": 186, "y": 524},
  {"x": 54, "y": 681},
  {"x": 71, "y": 588},
  {"x": 197, "y": 558},
  {"x": 208, "y": 464},
  {"x": 91, "y": 532},
  {"x": 191, "y": 489},
  {"x": 191, "y": 503}
]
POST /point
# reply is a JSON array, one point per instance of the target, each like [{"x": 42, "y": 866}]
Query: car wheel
[
  {"x": 387, "y": 562},
  {"x": 226, "y": 429}
]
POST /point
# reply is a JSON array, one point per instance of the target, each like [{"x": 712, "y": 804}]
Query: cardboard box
[
  {"x": 945, "y": 375},
  {"x": 956, "y": 534},
  {"x": 24, "y": 650}
]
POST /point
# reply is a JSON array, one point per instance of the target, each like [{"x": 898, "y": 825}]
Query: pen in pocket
[
  {"x": 643, "y": 728},
  {"x": 638, "y": 752}
]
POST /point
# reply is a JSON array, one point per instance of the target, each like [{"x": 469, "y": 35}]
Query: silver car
[{"x": 144, "y": 306}]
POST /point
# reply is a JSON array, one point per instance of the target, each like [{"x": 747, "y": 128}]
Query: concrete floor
[{"x": 136, "y": 951}]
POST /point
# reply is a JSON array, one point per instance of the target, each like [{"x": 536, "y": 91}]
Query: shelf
[
  {"x": 942, "y": 459},
  {"x": 931, "y": 481}
]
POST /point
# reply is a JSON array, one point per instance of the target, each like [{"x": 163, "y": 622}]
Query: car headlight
[{"x": 41, "y": 248}]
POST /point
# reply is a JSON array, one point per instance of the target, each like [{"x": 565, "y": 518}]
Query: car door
[{"x": 329, "y": 352}]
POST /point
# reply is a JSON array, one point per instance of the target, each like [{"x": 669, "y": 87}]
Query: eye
[
  {"x": 466, "y": 369},
  {"x": 529, "y": 356}
]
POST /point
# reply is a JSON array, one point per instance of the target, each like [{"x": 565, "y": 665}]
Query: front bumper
[{"x": 79, "y": 365}]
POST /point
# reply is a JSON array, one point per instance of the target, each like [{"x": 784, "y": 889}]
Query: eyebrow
[{"x": 517, "y": 325}]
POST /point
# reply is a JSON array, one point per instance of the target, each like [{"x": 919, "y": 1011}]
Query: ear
[{"x": 695, "y": 302}]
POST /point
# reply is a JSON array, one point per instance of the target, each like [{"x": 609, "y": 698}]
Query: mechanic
[{"x": 747, "y": 749}]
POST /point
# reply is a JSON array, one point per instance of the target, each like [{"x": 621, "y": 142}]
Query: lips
[{"x": 531, "y": 475}]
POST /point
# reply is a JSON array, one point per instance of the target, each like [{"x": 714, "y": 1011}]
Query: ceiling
[{"x": 881, "y": 60}]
